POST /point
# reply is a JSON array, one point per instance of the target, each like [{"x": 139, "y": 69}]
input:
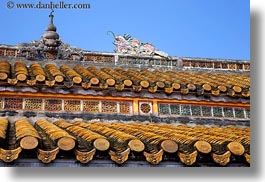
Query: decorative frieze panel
[
  {"x": 125, "y": 107},
  {"x": 72, "y": 105},
  {"x": 13, "y": 103},
  {"x": 99, "y": 58},
  {"x": 217, "y": 111},
  {"x": 228, "y": 112},
  {"x": 206, "y": 111},
  {"x": 194, "y": 64},
  {"x": 232, "y": 66},
  {"x": 196, "y": 110},
  {"x": 247, "y": 113},
  {"x": 53, "y": 105},
  {"x": 1, "y": 103},
  {"x": 185, "y": 110},
  {"x": 217, "y": 65},
  {"x": 91, "y": 106},
  {"x": 10, "y": 52},
  {"x": 209, "y": 65},
  {"x": 202, "y": 111},
  {"x": 186, "y": 63},
  {"x": 121, "y": 107},
  {"x": 174, "y": 109},
  {"x": 145, "y": 107},
  {"x": 51, "y": 55},
  {"x": 33, "y": 104},
  {"x": 109, "y": 107},
  {"x": 164, "y": 108},
  {"x": 239, "y": 113},
  {"x": 2, "y": 52},
  {"x": 246, "y": 66},
  {"x": 225, "y": 65},
  {"x": 239, "y": 66}
]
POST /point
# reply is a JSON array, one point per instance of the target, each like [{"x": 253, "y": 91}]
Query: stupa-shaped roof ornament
[
  {"x": 51, "y": 38},
  {"x": 49, "y": 46}
]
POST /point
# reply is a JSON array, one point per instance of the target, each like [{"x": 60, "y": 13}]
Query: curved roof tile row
[
  {"x": 150, "y": 141},
  {"x": 91, "y": 77}
]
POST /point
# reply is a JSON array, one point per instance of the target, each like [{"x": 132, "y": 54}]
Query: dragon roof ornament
[{"x": 127, "y": 45}]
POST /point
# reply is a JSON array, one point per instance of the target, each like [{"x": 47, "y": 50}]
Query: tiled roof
[
  {"x": 121, "y": 79},
  {"x": 119, "y": 142}
]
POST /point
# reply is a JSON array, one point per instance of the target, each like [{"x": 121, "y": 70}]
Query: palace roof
[{"x": 48, "y": 79}]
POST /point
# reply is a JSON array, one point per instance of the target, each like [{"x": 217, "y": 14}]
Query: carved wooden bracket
[
  {"x": 247, "y": 156},
  {"x": 188, "y": 159},
  {"x": 119, "y": 157},
  {"x": 168, "y": 90},
  {"x": 85, "y": 157},
  {"x": 184, "y": 90},
  {"x": 215, "y": 92},
  {"x": 246, "y": 93},
  {"x": 154, "y": 158},
  {"x": 49, "y": 83},
  {"x": 86, "y": 85},
  {"x": 222, "y": 159},
  {"x": 9, "y": 155},
  {"x": 47, "y": 156},
  {"x": 31, "y": 82},
  {"x": 68, "y": 84},
  {"x": 137, "y": 88},
  {"x": 119, "y": 87},
  {"x": 103, "y": 85},
  {"x": 12, "y": 81},
  {"x": 152, "y": 89}
]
